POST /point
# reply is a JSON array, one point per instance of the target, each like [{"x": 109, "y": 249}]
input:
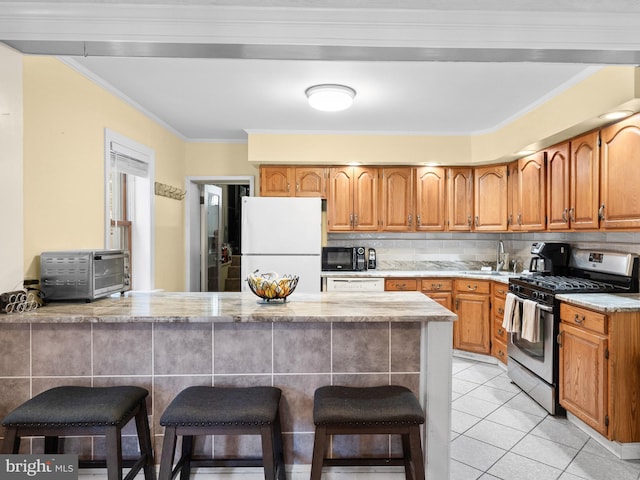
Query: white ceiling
[{"x": 215, "y": 70}]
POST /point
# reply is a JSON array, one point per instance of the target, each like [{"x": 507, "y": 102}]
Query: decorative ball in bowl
[{"x": 271, "y": 286}]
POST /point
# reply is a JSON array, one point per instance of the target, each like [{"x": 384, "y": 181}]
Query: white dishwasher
[{"x": 355, "y": 284}]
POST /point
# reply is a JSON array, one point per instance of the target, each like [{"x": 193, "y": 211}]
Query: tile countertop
[
  {"x": 502, "y": 277},
  {"x": 192, "y": 307},
  {"x": 604, "y": 302}
]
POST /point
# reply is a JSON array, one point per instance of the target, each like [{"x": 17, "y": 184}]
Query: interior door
[{"x": 211, "y": 244}]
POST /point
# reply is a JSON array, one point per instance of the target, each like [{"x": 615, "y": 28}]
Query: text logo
[{"x": 39, "y": 467}]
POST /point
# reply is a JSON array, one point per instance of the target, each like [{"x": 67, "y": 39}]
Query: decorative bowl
[{"x": 271, "y": 286}]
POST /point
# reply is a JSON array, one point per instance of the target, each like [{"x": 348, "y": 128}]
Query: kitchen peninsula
[{"x": 168, "y": 341}]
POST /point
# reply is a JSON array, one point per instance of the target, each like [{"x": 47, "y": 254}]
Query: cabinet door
[
  {"x": 365, "y": 199},
  {"x": 558, "y": 186},
  {"x": 277, "y": 181},
  {"x": 397, "y": 199},
  {"x": 585, "y": 182},
  {"x": 583, "y": 375},
  {"x": 532, "y": 193},
  {"x": 471, "y": 331},
  {"x": 340, "y": 201},
  {"x": 513, "y": 199},
  {"x": 620, "y": 195},
  {"x": 311, "y": 182},
  {"x": 445, "y": 299},
  {"x": 430, "y": 198},
  {"x": 460, "y": 199},
  {"x": 490, "y": 198}
]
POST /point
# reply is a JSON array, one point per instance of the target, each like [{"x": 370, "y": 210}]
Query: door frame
[{"x": 192, "y": 221}]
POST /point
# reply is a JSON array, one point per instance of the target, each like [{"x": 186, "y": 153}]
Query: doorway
[{"x": 213, "y": 232}]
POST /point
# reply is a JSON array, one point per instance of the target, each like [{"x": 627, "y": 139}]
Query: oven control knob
[
  {"x": 534, "y": 294},
  {"x": 542, "y": 296},
  {"x": 514, "y": 288}
]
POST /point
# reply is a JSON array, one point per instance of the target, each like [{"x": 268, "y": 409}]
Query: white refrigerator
[{"x": 282, "y": 235}]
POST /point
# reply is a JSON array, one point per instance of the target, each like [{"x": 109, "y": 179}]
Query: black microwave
[{"x": 343, "y": 259}]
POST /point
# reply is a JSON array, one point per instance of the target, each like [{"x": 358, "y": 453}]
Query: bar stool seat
[
  {"x": 72, "y": 410},
  {"x": 203, "y": 410},
  {"x": 388, "y": 409}
]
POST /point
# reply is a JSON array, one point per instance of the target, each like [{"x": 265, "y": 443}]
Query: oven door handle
[{"x": 539, "y": 306}]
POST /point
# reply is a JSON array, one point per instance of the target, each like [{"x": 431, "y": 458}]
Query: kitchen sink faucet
[{"x": 500, "y": 256}]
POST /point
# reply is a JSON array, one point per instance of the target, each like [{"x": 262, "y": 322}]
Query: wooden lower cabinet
[
  {"x": 472, "y": 305},
  {"x": 439, "y": 290},
  {"x": 599, "y": 374},
  {"x": 400, "y": 284},
  {"x": 498, "y": 334}
]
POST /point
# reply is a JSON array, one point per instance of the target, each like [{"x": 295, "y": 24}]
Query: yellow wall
[
  {"x": 65, "y": 115},
  {"x": 219, "y": 159}
]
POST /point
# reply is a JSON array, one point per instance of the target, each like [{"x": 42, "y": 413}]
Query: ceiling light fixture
[
  {"x": 616, "y": 115},
  {"x": 330, "y": 97}
]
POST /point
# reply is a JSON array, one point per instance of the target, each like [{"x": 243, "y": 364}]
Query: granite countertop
[
  {"x": 604, "y": 302},
  {"x": 193, "y": 307},
  {"x": 502, "y": 277}
]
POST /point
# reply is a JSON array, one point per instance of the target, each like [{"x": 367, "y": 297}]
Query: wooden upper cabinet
[
  {"x": 620, "y": 180},
  {"x": 585, "y": 182},
  {"x": 490, "y": 198},
  {"x": 283, "y": 181},
  {"x": 532, "y": 193},
  {"x": 459, "y": 199},
  {"x": 430, "y": 198},
  {"x": 352, "y": 203},
  {"x": 311, "y": 182},
  {"x": 277, "y": 181},
  {"x": 558, "y": 186},
  {"x": 397, "y": 199},
  {"x": 513, "y": 199}
]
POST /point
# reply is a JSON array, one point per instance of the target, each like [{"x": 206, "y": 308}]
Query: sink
[{"x": 492, "y": 273}]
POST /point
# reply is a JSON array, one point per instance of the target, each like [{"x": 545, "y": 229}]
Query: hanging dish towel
[
  {"x": 511, "y": 319},
  {"x": 530, "y": 322}
]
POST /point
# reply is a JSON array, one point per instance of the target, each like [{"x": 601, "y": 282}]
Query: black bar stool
[
  {"x": 71, "y": 410},
  {"x": 388, "y": 409},
  {"x": 223, "y": 411}
]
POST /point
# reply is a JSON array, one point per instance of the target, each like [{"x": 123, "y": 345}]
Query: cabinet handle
[
  {"x": 435, "y": 286},
  {"x": 351, "y": 220},
  {"x": 477, "y": 221},
  {"x": 601, "y": 212},
  {"x": 565, "y": 218},
  {"x": 469, "y": 220},
  {"x": 501, "y": 292},
  {"x": 519, "y": 219},
  {"x": 469, "y": 287},
  {"x": 355, "y": 220},
  {"x": 457, "y": 303},
  {"x": 297, "y": 186},
  {"x": 500, "y": 331},
  {"x": 418, "y": 221},
  {"x": 501, "y": 353},
  {"x": 572, "y": 214},
  {"x": 500, "y": 311},
  {"x": 509, "y": 219},
  {"x": 559, "y": 339},
  {"x": 579, "y": 319},
  {"x": 410, "y": 219},
  {"x": 288, "y": 187}
]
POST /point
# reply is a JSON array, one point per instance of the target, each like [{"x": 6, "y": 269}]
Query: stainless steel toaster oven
[{"x": 84, "y": 274}]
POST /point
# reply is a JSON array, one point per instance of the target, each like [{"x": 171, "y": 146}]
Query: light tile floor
[{"x": 498, "y": 432}]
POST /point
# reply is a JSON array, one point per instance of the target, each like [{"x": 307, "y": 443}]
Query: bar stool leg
[
  {"x": 11, "y": 442},
  {"x": 416, "y": 452},
  {"x": 144, "y": 441},
  {"x": 406, "y": 452},
  {"x": 319, "y": 447},
  {"x": 187, "y": 452},
  {"x": 51, "y": 444},
  {"x": 168, "y": 452},
  {"x": 268, "y": 455},
  {"x": 113, "y": 443},
  {"x": 279, "y": 448}
]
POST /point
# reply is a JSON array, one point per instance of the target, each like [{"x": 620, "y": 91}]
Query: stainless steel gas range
[{"x": 533, "y": 366}]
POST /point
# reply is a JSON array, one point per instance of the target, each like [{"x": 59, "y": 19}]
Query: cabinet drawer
[
  {"x": 584, "y": 318},
  {"x": 500, "y": 289},
  {"x": 499, "y": 350},
  {"x": 400, "y": 284},
  {"x": 475, "y": 286},
  {"x": 436, "y": 285},
  {"x": 498, "y": 308},
  {"x": 499, "y": 332}
]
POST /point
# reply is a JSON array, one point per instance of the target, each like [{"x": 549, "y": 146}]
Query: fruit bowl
[{"x": 270, "y": 286}]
